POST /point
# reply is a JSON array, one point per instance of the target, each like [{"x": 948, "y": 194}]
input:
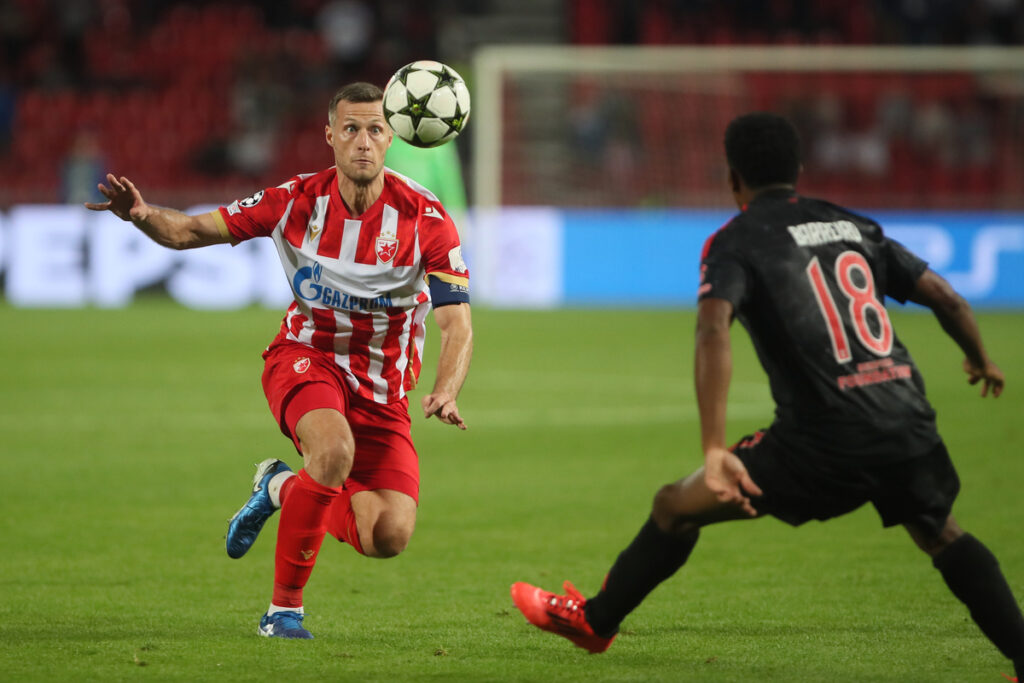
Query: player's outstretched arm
[
  {"x": 724, "y": 473},
  {"x": 456, "y": 329},
  {"x": 166, "y": 227},
  {"x": 957, "y": 319},
  {"x": 712, "y": 369}
]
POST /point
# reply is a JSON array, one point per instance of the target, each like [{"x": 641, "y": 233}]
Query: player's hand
[
  {"x": 989, "y": 375},
  {"x": 726, "y": 477},
  {"x": 443, "y": 406},
  {"x": 124, "y": 199}
]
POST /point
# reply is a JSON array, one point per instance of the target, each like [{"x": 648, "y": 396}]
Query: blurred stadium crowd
[
  {"x": 897, "y": 140},
  {"x": 188, "y": 97},
  {"x": 202, "y": 101},
  {"x": 731, "y": 22}
]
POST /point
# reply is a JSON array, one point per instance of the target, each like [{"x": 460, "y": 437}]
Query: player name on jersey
[{"x": 824, "y": 232}]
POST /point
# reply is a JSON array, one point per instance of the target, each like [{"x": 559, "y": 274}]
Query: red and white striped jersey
[{"x": 360, "y": 284}]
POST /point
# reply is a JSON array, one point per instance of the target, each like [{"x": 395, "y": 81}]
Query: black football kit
[{"x": 808, "y": 280}]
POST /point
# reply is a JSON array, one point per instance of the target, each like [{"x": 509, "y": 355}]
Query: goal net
[{"x": 881, "y": 127}]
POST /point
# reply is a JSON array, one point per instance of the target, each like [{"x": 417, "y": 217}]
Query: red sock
[
  {"x": 285, "y": 488},
  {"x": 299, "y": 536},
  {"x": 341, "y": 521}
]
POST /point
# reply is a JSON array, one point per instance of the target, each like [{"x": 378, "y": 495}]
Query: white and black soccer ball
[{"x": 426, "y": 103}]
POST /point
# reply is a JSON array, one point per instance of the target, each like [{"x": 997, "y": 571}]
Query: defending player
[
  {"x": 367, "y": 253},
  {"x": 852, "y": 425}
]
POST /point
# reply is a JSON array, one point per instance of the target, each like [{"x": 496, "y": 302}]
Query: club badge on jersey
[{"x": 387, "y": 245}]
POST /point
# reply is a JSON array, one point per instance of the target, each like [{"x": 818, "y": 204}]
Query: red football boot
[{"x": 561, "y": 614}]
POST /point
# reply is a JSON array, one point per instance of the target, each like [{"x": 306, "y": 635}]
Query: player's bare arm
[
  {"x": 167, "y": 227},
  {"x": 455, "y": 325},
  {"x": 724, "y": 473},
  {"x": 957, "y": 320}
]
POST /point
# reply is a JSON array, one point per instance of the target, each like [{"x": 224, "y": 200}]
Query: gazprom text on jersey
[
  {"x": 346, "y": 302},
  {"x": 305, "y": 284}
]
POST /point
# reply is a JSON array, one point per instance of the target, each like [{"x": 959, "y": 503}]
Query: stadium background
[{"x": 202, "y": 103}]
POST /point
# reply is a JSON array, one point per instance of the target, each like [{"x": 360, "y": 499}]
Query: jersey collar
[{"x": 781, "y": 193}]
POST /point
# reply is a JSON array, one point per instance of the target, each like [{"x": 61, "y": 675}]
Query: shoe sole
[
  {"x": 267, "y": 634},
  {"x": 263, "y": 633}
]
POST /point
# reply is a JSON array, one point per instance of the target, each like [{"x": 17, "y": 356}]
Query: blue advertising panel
[
  {"x": 534, "y": 257},
  {"x": 981, "y": 254},
  {"x": 650, "y": 258},
  {"x": 635, "y": 258}
]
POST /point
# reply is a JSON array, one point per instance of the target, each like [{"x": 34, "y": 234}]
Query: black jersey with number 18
[{"x": 808, "y": 280}]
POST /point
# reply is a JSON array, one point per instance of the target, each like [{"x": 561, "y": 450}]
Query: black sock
[
  {"x": 972, "y": 572},
  {"x": 652, "y": 557}
]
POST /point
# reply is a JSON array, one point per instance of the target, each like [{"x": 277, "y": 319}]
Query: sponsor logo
[
  {"x": 386, "y": 249},
  {"x": 306, "y": 285},
  {"x": 455, "y": 259},
  {"x": 432, "y": 212},
  {"x": 874, "y": 372},
  {"x": 307, "y": 554},
  {"x": 301, "y": 365},
  {"x": 252, "y": 200},
  {"x": 310, "y": 291}
]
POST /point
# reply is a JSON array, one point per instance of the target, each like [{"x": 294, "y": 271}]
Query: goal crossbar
[{"x": 492, "y": 64}]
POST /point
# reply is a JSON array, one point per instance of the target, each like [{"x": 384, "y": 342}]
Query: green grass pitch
[{"x": 128, "y": 439}]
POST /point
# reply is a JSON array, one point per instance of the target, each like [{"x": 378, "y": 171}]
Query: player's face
[{"x": 360, "y": 138}]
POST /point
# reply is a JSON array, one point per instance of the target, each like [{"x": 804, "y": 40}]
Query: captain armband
[{"x": 447, "y": 289}]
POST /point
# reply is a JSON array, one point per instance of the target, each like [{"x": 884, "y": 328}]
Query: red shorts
[{"x": 298, "y": 379}]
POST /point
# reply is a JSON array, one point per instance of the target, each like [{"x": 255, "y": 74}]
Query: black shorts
[{"x": 798, "y": 486}]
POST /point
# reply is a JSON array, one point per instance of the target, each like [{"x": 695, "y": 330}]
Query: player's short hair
[
  {"x": 354, "y": 92},
  {"x": 763, "y": 148}
]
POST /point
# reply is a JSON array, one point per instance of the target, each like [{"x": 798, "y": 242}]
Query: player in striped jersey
[{"x": 368, "y": 254}]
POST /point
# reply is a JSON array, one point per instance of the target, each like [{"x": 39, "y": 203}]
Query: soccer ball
[{"x": 426, "y": 103}]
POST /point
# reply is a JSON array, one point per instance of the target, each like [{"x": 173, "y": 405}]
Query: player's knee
[
  {"x": 665, "y": 507},
  {"x": 934, "y": 543},
  {"x": 330, "y": 462},
  {"x": 390, "y": 540}
]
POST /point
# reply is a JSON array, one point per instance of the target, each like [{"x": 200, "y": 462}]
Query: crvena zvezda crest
[{"x": 386, "y": 249}]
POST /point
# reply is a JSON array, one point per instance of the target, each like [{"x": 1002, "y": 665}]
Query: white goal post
[{"x": 497, "y": 69}]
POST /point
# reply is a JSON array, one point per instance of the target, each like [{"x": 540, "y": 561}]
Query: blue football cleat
[
  {"x": 283, "y": 625},
  {"x": 245, "y": 526}
]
